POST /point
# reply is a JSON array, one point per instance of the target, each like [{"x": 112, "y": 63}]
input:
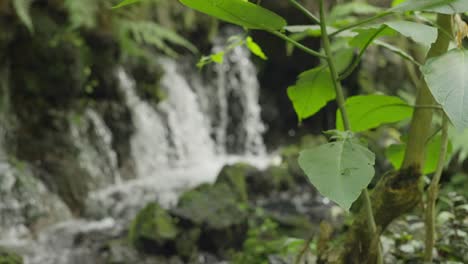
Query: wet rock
[
  {"x": 154, "y": 230},
  {"x": 26, "y": 204},
  {"x": 7, "y": 257},
  {"x": 237, "y": 177},
  {"x": 273, "y": 179},
  {"x": 219, "y": 211}
]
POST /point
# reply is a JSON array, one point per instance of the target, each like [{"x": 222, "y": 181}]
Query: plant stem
[
  {"x": 433, "y": 192},
  {"x": 421, "y": 122},
  {"x": 341, "y": 105},
  {"x": 359, "y": 23},
  {"x": 305, "y": 11},
  {"x": 355, "y": 63},
  {"x": 298, "y": 45}
]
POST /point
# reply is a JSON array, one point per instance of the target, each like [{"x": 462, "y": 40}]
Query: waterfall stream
[{"x": 206, "y": 121}]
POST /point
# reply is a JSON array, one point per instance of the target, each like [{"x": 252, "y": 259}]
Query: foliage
[
  {"x": 242, "y": 13},
  {"x": 370, "y": 111},
  {"x": 342, "y": 169},
  {"x": 22, "y": 10},
  {"x": 447, "y": 80},
  {"x": 135, "y": 33},
  {"x": 339, "y": 169},
  {"x": 312, "y": 91}
]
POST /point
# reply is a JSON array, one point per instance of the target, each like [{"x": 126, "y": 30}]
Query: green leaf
[
  {"x": 436, "y": 6},
  {"x": 22, "y": 11},
  {"x": 312, "y": 91},
  {"x": 353, "y": 8},
  {"x": 459, "y": 141},
  {"x": 125, "y": 3},
  {"x": 218, "y": 57},
  {"x": 420, "y": 33},
  {"x": 370, "y": 111},
  {"x": 396, "y": 152},
  {"x": 255, "y": 48},
  {"x": 447, "y": 78},
  {"x": 339, "y": 170},
  {"x": 366, "y": 34},
  {"x": 242, "y": 13}
]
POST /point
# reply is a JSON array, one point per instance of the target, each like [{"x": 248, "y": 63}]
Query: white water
[{"x": 204, "y": 123}]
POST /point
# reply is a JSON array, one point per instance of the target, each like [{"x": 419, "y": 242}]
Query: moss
[
  {"x": 214, "y": 206},
  {"x": 153, "y": 226},
  {"x": 187, "y": 241},
  {"x": 7, "y": 257},
  {"x": 235, "y": 177},
  {"x": 219, "y": 211}
]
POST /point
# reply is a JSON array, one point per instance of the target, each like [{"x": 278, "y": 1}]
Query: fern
[
  {"x": 22, "y": 11},
  {"x": 82, "y": 13},
  {"x": 134, "y": 34}
]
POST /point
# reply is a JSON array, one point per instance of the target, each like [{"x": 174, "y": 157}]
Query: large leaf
[
  {"x": 396, "y": 152},
  {"x": 238, "y": 12},
  {"x": 312, "y": 91},
  {"x": 339, "y": 170},
  {"x": 418, "y": 32},
  {"x": 447, "y": 78},
  {"x": 437, "y": 6},
  {"x": 369, "y": 111}
]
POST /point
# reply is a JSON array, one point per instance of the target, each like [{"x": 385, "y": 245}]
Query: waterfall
[
  {"x": 200, "y": 119},
  {"x": 208, "y": 119}
]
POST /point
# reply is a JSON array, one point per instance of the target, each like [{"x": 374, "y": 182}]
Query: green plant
[
  {"x": 343, "y": 168},
  {"x": 135, "y": 32}
]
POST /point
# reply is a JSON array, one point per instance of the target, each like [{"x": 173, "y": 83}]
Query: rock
[
  {"x": 273, "y": 179},
  {"x": 219, "y": 211},
  {"x": 7, "y": 257},
  {"x": 186, "y": 242},
  {"x": 153, "y": 230},
  {"x": 235, "y": 176}
]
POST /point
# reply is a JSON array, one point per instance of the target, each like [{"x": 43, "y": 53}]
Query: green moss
[
  {"x": 235, "y": 177},
  {"x": 153, "y": 224},
  {"x": 7, "y": 257},
  {"x": 215, "y": 206}
]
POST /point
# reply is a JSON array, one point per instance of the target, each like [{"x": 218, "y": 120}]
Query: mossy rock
[
  {"x": 153, "y": 230},
  {"x": 8, "y": 257},
  {"x": 186, "y": 243},
  {"x": 220, "y": 213},
  {"x": 235, "y": 176},
  {"x": 147, "y": 73},
  {"x": 213, "y": 206},
  {"x": 273, "y": 179}
]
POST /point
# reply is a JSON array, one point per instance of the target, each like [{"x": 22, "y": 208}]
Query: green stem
[
  {"x": 341, "y": 105},
  {"x": 305, "y": 11},
  {"x": 298, "y": 45},
  {"x": 351, "y": 69},
  {"x": 359, "y": 23},
  {"x": 421, "y": 122},
  {"x": 433, "y": 192}
]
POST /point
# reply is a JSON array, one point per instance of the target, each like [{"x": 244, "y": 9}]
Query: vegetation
[
  {"x": 232, "y": 218},
  {"x": 342, "y": 169}
]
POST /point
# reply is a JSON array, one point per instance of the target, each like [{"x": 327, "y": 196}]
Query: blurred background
[{"x": 116, "y": 148}]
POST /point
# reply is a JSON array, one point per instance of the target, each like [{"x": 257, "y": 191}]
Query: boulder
[
  {"x": 221, "y": 213},
  {"x": 237, "y": 177},
  {"x": 153, "y": 230}
]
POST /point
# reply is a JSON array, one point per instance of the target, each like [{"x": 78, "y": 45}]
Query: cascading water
[{"x": 204, "y": 123}]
